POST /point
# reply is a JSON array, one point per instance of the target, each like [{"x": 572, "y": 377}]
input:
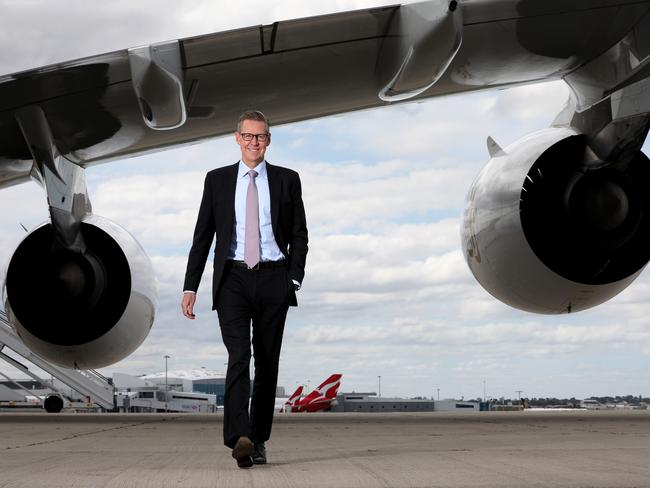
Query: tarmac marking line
[{"x": 93, "y": 432}]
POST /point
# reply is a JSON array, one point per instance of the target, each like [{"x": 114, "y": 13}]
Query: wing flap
[{"x": 287, "y": 35}]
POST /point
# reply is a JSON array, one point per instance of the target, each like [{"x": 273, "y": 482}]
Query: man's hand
[{"x": 187, "y": 305}]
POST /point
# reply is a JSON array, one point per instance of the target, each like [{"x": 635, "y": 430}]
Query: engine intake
[
  {"x": 547, "y": 230},
  {"x": 587, "y": 223},
  {"x": 81, "y": 310}
]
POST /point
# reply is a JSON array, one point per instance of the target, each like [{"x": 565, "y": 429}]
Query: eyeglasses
[{"x": 247, "y": 136}]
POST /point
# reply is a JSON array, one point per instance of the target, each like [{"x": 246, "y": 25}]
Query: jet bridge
[{"x": 88, "y": 383}]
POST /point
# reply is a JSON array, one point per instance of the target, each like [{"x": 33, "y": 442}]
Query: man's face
[{"x": 252, "y": 152}]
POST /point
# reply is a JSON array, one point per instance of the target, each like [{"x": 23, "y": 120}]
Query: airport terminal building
[
  {"x": 195, "y": 380},
  {"x": 196, "y": 390},
  {"x": 369, "y": 402}
]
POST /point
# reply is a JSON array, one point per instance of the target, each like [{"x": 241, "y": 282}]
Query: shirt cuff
[
  {"x": 189, "y": 291},
  {"x": 297, "y": 283}
]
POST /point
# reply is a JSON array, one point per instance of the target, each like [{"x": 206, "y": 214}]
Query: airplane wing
[
  {"x": 151, "y": 97},
  {"x": 566, "y": 206}
]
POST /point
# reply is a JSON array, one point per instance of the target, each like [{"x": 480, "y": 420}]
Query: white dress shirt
[{"x": 269, "y": 250}]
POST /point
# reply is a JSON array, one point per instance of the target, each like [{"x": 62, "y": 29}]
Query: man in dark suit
[{"x": 255, "y": 210}]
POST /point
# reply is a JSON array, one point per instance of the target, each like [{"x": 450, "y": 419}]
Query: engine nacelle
[
  {"x": 81, "y": 310},
  {"x": 547, "y": 231}
]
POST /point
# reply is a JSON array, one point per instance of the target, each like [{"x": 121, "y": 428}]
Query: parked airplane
[
  {"x": 558, "y": 221},
  {"x": 294, "y": 397},
  {"x": 281, "y": 403},
  {"x": 322, "y": 398}
]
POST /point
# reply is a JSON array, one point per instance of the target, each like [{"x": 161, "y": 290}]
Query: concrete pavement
[{"x": 504, "y": 449}]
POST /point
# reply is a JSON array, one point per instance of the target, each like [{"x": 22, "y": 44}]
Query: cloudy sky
[{"x": 387, "y": 292}]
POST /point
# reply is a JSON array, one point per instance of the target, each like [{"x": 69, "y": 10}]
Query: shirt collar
[{"x": 260, "y": 168}]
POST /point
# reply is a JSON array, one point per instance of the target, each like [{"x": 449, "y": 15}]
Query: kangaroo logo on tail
[{"x": 322, "y": 398}]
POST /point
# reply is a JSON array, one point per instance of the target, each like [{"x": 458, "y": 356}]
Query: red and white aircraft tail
[
  {"x": 294, "y": 398},
  {"x": 286, "y": 406},
  {"x": 322, "y": 398}
]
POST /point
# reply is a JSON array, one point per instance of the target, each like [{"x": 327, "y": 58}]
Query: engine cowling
[
  {"x": 81, "y": 310},
  {"x": 547, "y": 232}
]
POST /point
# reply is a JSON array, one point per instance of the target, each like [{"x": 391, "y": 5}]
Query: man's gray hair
[{"x": 253, "y": 115}]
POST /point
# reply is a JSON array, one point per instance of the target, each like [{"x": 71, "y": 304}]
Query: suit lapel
[
  {"x": 229, "y": 189},
  {"x": 274, "y": 194}
]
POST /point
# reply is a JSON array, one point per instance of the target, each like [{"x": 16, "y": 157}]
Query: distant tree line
[
  {"x": 618, "y": 399},
  {"x": 557, "y": 402},
  {"x": 552, "y": 401},
  {"x": 571, "y": 402}
]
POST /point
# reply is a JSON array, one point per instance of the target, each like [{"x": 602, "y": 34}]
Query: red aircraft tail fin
[
  {"x": 326, "y": 390},
  {"x": 293, "y": 399}
]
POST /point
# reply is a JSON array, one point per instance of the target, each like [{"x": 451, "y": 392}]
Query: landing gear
[{"x": 53, "y": 404}]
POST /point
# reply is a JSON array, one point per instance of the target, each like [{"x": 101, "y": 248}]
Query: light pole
[
  {"x": 519, "y": 392},
  {"x": 166, "y": 385},
  {"x": 438, "y": 390},
  {"x": 379, "y": 379}
]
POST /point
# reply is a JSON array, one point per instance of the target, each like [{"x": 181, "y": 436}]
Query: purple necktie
[{"x": 252, "y": 234}]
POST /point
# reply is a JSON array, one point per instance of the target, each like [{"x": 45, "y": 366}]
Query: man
[{"x": 255, "y": 210}]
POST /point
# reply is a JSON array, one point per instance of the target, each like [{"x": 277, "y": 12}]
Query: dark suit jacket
[{"x": 217, "y": 214}]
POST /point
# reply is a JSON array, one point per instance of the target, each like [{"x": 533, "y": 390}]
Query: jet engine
[
  {"x": 81, "y": 309},
  {"x": 550, "y": 228}
]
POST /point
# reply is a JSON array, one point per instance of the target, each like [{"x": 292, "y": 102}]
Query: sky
[{"x": 387, "y": 292}]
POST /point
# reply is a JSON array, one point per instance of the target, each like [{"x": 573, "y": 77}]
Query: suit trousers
[{"x": 259, "y": 298}]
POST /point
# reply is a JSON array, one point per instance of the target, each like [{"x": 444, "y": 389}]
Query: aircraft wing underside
[{"x": 144, "y": 99}]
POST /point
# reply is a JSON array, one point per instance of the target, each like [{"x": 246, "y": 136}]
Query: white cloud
[
  {"x": 386, "y": 291},
  {"x": 352, "y": 194},
  {"x": 528, "y": 101},
  {"x": 528, "y": 336},
  {"x": 120, "y": 24}
]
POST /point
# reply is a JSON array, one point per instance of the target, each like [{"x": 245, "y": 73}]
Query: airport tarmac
[{"x": 504, "y": 449}]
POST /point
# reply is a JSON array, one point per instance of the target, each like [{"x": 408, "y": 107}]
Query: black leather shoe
[
  {"x": 243, "y": 451},
  {"x": 259, "y": 456}
]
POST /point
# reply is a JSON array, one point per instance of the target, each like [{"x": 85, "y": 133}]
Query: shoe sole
[
  {"x": 244, "y": 462},
  {"x": 243, "y": 451}
]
